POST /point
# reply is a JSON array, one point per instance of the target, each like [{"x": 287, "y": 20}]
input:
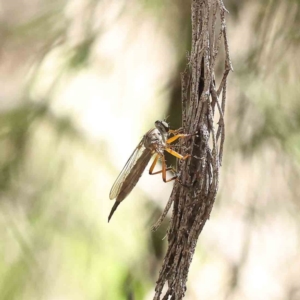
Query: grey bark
[{"x": 203, "y": 103}]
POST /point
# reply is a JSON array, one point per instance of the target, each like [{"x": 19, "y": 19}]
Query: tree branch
[{"x": 194, "y": 193}]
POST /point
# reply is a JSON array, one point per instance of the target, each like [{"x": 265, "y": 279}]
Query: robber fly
[{"x": 155, "y": 141}]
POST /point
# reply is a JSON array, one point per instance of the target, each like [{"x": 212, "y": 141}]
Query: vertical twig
[{"x": 194, "y": 194}]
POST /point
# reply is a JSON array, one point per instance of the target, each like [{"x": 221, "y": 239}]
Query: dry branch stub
[{"x": 203, "y": 102}]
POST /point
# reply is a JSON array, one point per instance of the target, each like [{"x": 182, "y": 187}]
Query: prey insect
[{"x": 154, "y": 142}]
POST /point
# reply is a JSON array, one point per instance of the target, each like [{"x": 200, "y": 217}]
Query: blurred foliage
[
  {"x": 53, "y": 245},
  {"x": 268, "y": 79}
]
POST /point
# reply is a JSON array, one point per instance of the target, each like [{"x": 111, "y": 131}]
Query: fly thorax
[{"x": 154, "y": 140}]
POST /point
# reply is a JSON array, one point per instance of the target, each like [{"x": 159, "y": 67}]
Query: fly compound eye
[
  {"x": 165, "y": 125},
  {"x": 162, "y": 126}
]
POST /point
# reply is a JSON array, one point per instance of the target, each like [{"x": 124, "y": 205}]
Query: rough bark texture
[{"x": 203, "y": 104}]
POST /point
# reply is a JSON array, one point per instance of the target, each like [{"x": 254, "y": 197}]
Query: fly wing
[
  {"x": 134, "y": 175},
  {"x": 131, "y": 172}
]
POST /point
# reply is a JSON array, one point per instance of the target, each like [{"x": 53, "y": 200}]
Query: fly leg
[
  {"x": 176, "y": 154},
  {"x": 175, "y": 132},
  {"x": 177, "y": 136},
  {"x": 164, "y": 168},
  {"x": 164, "y": 171}
]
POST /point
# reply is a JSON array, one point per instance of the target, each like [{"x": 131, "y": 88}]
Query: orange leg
[
  {"x": 153, "y": 166},
  {"x": 175, "y": 137},
  {"x": 164, "y": 169},
  {"x": 175, "y": 131},
  {"x": 176, "y": 154}
]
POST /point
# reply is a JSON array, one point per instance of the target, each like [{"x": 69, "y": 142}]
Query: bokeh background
[{"x": 80, "y": 82}]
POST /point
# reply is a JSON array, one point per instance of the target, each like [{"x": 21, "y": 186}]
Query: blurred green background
[{"x": 80, "y": 83}]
